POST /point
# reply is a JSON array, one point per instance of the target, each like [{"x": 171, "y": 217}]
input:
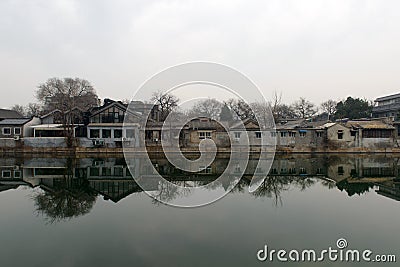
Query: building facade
[{"x": 387, "y": 106}]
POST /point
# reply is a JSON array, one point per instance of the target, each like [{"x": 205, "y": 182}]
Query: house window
[
  {"x": 283, "y": 134},
  {"x": 319, "y": 170},
  {"x": 17, "y": 131},
  {"x": 118, "y": 171},
  {"x": 117, "y": 133},
  {"x": 376, "y": 133},
  {"x": 340, "y": 134},
  {"x": 353, "y": 133},
  {"x": 292, "y": 134},
  {"x": 130, "y": 133},
  {"x": 94, "y": 171},
  {"x": 237, "y": 135},
  {"x": 303, "y": 171},
  {"x": 273, "y": 134},
  {"x": 106, "y": 171},
  {"x": 273, "y": 171},
  {"x": 204, "y": 135},
  {"x": 319, "y": 134},
  {"x": 94, "y": 133},
  {"x": 203, "y": 169},
  {"x": 6, "y": 174},
  {"x": 17, "y": 174},
  {"x": 7, "y": 131},
  {"x": 106, "y": 133},
  {"x": 302, "y": 133},
  {"x": 340, "y": 170},
  {"x": 237, "y": 169},
  {"x": 258, "y": 135}
]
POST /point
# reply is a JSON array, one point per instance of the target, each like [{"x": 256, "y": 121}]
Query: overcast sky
[{"x": 312, "y": 49}]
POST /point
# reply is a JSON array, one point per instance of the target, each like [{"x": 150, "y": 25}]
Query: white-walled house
[{"x": 105, "y": 128}]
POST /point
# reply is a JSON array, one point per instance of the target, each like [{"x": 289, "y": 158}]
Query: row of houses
[{"x": 103, "y": 127}]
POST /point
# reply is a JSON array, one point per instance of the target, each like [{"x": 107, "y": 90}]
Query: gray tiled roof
[
  {"x": 14, "y": 121},
  {"x": 388, "y": 97},
  {"x": 9, "y": 114}
]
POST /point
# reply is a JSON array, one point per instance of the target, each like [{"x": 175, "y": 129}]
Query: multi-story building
[{"x": 387, "y": 106}]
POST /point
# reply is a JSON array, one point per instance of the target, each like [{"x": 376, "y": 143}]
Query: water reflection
[{"x": 69, "y": 188}]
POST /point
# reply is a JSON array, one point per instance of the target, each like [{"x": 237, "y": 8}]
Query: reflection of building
[
  {"x": 389, "y": 189},
  {"x": 111, "y": 177}
]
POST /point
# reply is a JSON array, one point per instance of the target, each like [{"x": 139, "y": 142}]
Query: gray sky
[{"x": 312, "y": 49}]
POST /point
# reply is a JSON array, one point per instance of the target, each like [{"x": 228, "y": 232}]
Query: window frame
[
  {"x": 94, "y": 130},
  {"x": 207, "y": 135},
  {"x": 18, "y": 128},
  {"x": 3, "y": 130},
  {"x": 118, "y": 131},
  {"x": 106, "y": 131},
  {"x": 6, "y": 171},
  {"x": 237, "y": 135},
  {"x": 340, "y": 134},
  {"x": 19, "y": 174}
]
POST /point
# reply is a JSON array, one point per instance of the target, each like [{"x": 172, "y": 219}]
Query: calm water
[{"x": 89, "y": 212}]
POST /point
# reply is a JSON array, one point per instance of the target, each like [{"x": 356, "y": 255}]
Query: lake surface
[{"x": 90, "y": 212}]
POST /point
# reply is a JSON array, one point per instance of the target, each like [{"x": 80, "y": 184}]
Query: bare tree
[
  {"x": 66, "y": 95},
  {"x": 275, "y": 104},
  {"x": 304, "y": 108},
  {"x": 240, "y": 108},
  {"x": 285, "y": 112},
  {"x": 210, "y": 108},
  {"x": 262, "y": 112},
  {"x": 20, "y": 109},
  {"x": 33, "y": 110},
  {"x": 329, "y": 107},
  {"x": 166, "y": 102}
]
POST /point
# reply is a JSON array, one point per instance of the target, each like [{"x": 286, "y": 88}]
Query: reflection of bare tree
[
  {"x": 69, "y": 198},
  {"x": 273, "y": 186},
  {"x": 328, "y": 183},
  {"x": 169, "y": 191},
  {"x": 241, "y": 186},
  {"x": 303, "y": 182}
]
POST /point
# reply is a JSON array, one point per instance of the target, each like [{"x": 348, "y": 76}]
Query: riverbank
[{"x": 159, "y": 150}]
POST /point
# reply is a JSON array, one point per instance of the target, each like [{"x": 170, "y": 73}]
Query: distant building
[
  {"x": 301, "y": 133},
  {"x": 374, "y": 134},
  {"x": 387, "y": 106},
  {"x": 17, "y": 128},
  {"x": 106, "y": 123},
  {"x": 9, "y": 114}
]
